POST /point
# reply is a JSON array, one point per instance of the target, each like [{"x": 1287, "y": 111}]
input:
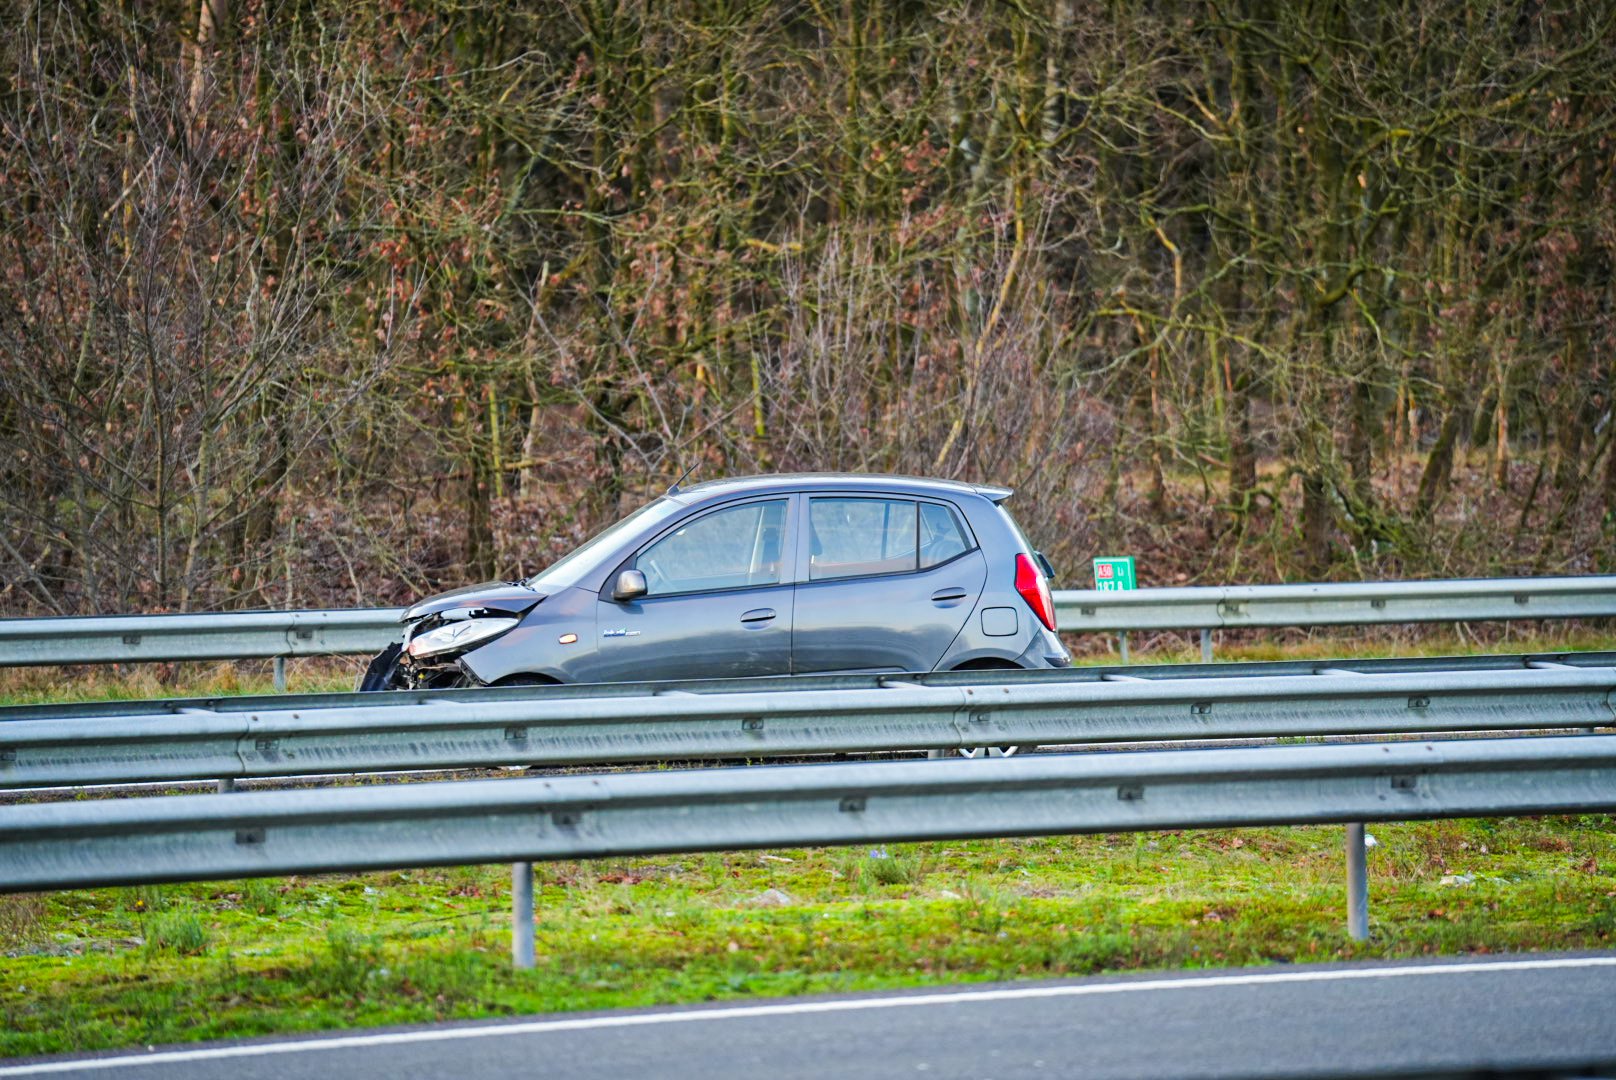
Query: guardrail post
[
  {"x": 1122, "y": 640},
  {"x": 1357, "y": 883},
  {"x": 522, "y": 916},
  {"x": 1206, "y": 646},
  {"x": 280, "y": 674},
  {"x": 226, "y": 786}
]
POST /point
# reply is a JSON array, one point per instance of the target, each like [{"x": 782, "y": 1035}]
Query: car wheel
[
  {"x": 522, "y": 679},
  {"x": 991, "y": 751},
  {"x": 525, "y": 680}
]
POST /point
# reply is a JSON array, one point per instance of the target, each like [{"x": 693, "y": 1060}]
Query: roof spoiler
[{"x": 993, "y": 494}]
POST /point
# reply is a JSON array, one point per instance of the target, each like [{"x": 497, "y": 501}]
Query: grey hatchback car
[{"x": 764, "y": 575}]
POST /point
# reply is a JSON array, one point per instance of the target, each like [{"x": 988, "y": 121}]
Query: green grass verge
[{"x": 126, "y": 967}]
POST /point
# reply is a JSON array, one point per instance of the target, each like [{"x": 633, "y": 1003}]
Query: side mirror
[{"x": 630, "y": 585}]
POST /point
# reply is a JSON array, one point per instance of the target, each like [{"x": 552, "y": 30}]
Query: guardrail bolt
[
  {"x": 853, "y": 804},
  {"x": 1405, "y": 782},
  {"x": 1378, "y": 605},
  {"x": 1522, "y": 598},
  {"x": 131, "y": 639},
  {"x": 1419, "y": 702},
  {"x": 264, "y": 746},
  {"x": 752, "y": 723},
  {"x": 1130, "y": 792},
  {"x": 250, "y": 836},
  {"x": 516, "y": 734},
  {"x": 1201, "y": 708},
  {"x": 567, "y": 817}
]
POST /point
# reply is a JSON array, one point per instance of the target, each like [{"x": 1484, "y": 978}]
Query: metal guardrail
[
  {"x": 231, "y": 703},
  {"x": 263, "y": 634},
  {"x": 1101, "y": 673},
  {"x": 278, "y": 736},
  {"x": 203, "y": 837},
  {"x": 232, "y": 635},
  {"x": 1358, "y": 603}
]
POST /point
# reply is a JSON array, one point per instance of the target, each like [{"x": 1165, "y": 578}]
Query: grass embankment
[{"x": 124, "y": 967}]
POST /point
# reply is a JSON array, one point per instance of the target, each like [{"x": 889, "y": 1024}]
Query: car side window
[
  {"x": 941, "y": 537},
  {"x": 855, "y": 537},
  {"x": 728, "y": 549}
]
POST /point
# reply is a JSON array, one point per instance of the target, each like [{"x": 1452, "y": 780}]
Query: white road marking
[{"x": 795, "y": 1008}]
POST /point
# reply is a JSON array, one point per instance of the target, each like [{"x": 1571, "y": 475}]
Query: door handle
[
  {"x": 951, "y": 593},
  {"x": 758, "y": 615}
]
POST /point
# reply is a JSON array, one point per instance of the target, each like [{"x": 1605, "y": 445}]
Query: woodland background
[{"x": 310, "y": 303}]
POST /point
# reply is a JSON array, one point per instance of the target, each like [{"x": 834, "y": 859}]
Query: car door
[
  {"x": 718, "y": 601},
  {"x": 884, "y": 583}
]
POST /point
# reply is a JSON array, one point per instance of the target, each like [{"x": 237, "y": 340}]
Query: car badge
[{"x": 620, "y": 632}]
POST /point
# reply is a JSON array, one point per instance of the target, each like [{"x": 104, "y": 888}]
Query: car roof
[{"x": 785, "y": 482}]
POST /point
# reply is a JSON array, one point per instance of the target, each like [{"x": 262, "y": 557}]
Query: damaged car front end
[{"x": 440, "y": 631}]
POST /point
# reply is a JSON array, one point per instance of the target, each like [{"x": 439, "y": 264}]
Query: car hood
[{"x": 509, "y": 597}]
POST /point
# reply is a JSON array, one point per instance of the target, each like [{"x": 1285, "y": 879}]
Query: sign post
[{"x": 1115, "y": 574}]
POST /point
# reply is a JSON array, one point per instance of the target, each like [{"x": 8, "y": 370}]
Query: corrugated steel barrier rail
[
  {"x": 227, "y": 738},
  {"x": 228, "y": 635},
  {"x": 280, "y": 634},
  {"x": 1350, "y": 604},
  {"x": 121, "y": 841},
  {"x": 201, "y": 837}
]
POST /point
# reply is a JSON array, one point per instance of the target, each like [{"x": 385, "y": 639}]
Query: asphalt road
[{"x": 1492, "y": 1015}]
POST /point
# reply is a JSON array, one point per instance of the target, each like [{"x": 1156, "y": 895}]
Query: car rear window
[
  {"x": 941, "y": 537},
  {"x": 856, "y": 537}
]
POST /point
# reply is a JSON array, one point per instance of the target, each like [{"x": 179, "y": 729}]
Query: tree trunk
[
  {"x": 208, "y": 20},
  {"x": 1316, "y": 547},
  {"x": 1360, "y": 455},
  {"x": 1610, "y": 452},
  {"x": 1242, "y": 452},
  {"x": 479, "y": 518},
  {"x": 1439, "y": 466}
]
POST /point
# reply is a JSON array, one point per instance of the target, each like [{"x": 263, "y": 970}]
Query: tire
[
  {"x": 991, "y": 751},
  {"x": 525, "y": 680},
  {"x": 522, "y": 679},
  {"x": 379, "y": 675}
]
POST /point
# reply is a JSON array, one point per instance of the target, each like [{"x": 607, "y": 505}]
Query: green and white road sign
[{"x": 1114, "y": 573}]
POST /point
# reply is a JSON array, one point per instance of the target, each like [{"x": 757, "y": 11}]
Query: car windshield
[{"x": 573, "y": 566}]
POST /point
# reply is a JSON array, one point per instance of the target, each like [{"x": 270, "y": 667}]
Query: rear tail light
[{"x": 1035, "y": 590}]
